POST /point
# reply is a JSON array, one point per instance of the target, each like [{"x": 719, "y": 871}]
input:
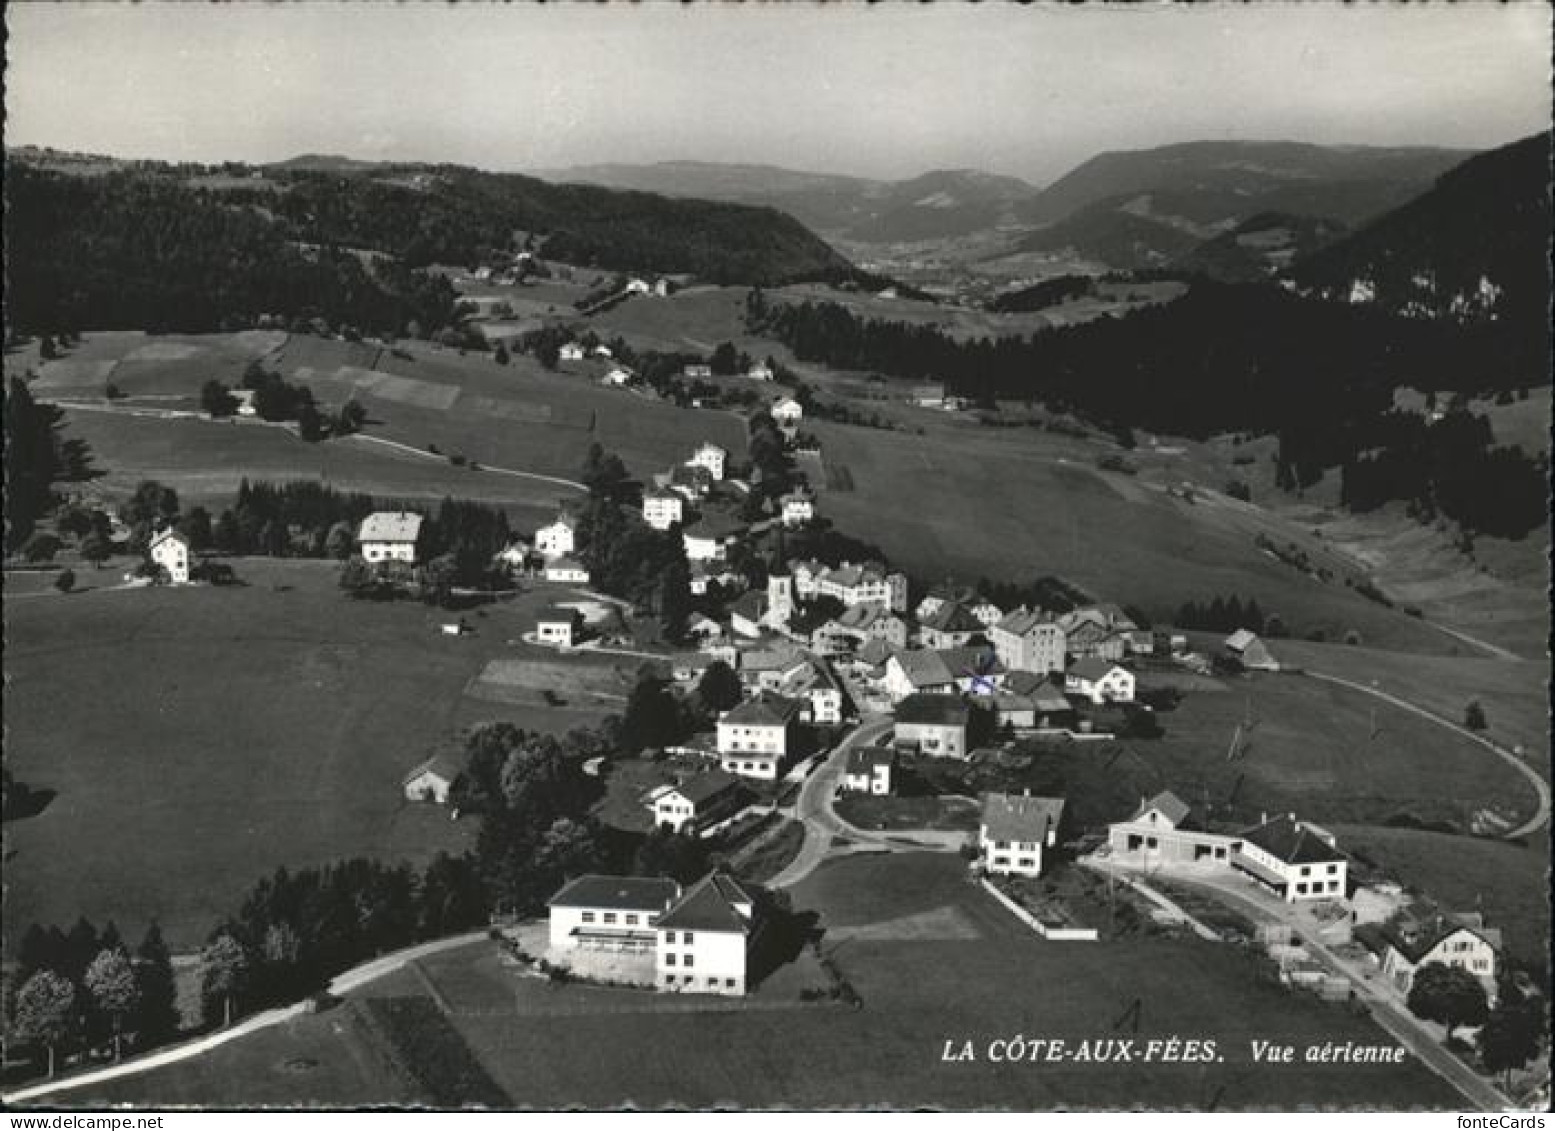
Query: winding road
[{"x": 814, "y": 807}]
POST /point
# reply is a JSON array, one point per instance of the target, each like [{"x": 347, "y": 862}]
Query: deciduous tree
[
  {"x": 110, "y": 979},
  {"x": 46, "y": 1012},
  {"x": 1449, "y": 995}
]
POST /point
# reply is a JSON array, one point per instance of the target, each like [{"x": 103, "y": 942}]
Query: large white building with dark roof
[
  {"x": 1015, "y": 830},
  {"x": 704, "y": 940},
  {"x": 610, "y": 912},
  {"x": 756, "y": 738},
  {"x": 390, "y": 536}
]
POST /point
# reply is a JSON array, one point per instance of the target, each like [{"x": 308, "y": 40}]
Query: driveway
[{"x": 1386, "y": 1004}]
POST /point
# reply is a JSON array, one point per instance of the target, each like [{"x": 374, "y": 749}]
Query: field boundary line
[{"x": 535, "y": 475}]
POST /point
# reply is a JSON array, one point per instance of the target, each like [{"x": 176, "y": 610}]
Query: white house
[
  {"x": 987, "y": 613},
  {"x": 852, "y": 584},
  {"x": 245, "y": 401},
  {"x": 917, "y": 671},
  {"x": 711, "y": 537},
  {"x": 868, "y": 770},
  {"x": 932, "y": 724},
  {"x": 756, "y": 738},
  {"x": 1100, "y": 681},
  {"x": 1163, "y": 830},
  {"x": 748, "y": 614},
  {"x": 1295, "y": 859},
  {"x": 568, "y": 570},
  {"x": 597, "y": 912},
  {"x": 818, "y": 690},
  {"x": 949, "y": 626},
  {"x": 928, "y": 396},
  {"x": 696, "y": 371},
  {"x": 705, "y": 938},
  {"x": 617, "y": 377},
  {"x": 798, "y": 508},
  {"x": 638, "y": 287},
  {"x": 432, "y": 779},
  {"x": 1015, "y": 830},
  {"x": 558, "y": 537},
  {"x": 787, "y": 411},
  {"x": 390, "y": 536},
  {"x": 663, "y": 509},
  {"x": 559, "y": 625},
  {"x": 1027, "y": 641},
  {"x": 696, "y": 803},
  {"x": 1410, "y": 940},
  {"x": 760, "y": 371},
  {"x": 710, "y": 456},
  {"x": 170, "y": 551},
  {"x": 1250, "y": 651},
  {"x": 571, "y": 351}
]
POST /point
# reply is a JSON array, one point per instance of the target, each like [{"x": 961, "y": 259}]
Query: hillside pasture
[
  {"x": 974, "y": 502},
  {"x": 199, "y": 737}
]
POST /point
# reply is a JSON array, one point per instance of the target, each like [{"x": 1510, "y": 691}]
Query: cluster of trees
[
  {"x": 137, "y": 248},
  {"x": 1049, "y": 292},
  {"x": 294, "y": 931},
  {"x": 1451, "y": 996},
  {"x": 86, "y": 989},
  {"x": 37, "y": 456},
  {"x": 1223, "y": 614},
  {"x": 1223, "y": 358},
  {"x": 277, "y": 399},
  {"x": 1047, "y": 592},
  {"x": 1449, "y": 466}
]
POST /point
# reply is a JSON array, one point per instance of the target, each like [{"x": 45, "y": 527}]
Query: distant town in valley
[{"x": 696, "y": 634}]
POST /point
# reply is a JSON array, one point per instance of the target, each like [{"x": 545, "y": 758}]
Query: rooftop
[
  {"x": 952, "y": 617},
  {"x": 390, "y": 526},
  {"x": 712, "y": 904},
  {"x": 764, "y": 710},
  {"x": 924, "y": 667},
  {"x": 942, "y": 710},
  {"x": 706, "y": 786},
  {"x": 1020, "y": 621},
  {"x": 1011, "y": 816},
  {"x": 626, "y": 893},
  {"x": 862, "y": 758},
  {"x": 1293, "y": 841},
  {"x": 1168, "y": 804},
  {"x": 446, "y": 764},
  {"x": 1093, "y": 668}
]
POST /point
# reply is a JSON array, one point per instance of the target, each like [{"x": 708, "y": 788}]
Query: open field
[
  {"x": 1507, "y": 881},
  {"x": 199, "y": 737},
  {"x": 1315, "y": 749},
  {"x": 990, "y": 979},
  {"x": 1020, "y": 513},
  {"x": 894, "y": 812},
  {"x": 205, "y": 461}
]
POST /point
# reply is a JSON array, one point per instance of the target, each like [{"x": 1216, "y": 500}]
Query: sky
[{"x": 885, "y": 91}]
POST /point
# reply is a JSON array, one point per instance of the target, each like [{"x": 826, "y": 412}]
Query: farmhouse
[
  {"x": 1100, "y": 681},
  {"x": 944, "y": 594},
  {"x": 663, "y": 509},
  {"x": 868, "y": 770},
  {"x": 696, "y": 372},
  {"x": 747, "y": 614},
  {"x": 949, "y": 626},
  {"x": 596, "y": 912},
  {"x": 390, "y": 536},
  {"x": 559, "y": 625},
  {"x": 858, "y": 625},
  {"x": 1294, "y": 859},
  {"x": 1164, "y": 830},
  {"x": 571, "y": 351},
  {"x": 756, "y": 738},
  {"x": 704, "y": 575},
  {"x": 917, "y": 671},
  {"x": 787, "y": 411},
  {"x": 567, "y": 570},
  {"x": 1027, "y": 641},
  {"x": 697, "y": 802},
  {"x": 513, "y": 557},
  {"x": 711, "y": 537},
  {"x": 932, "y": 724},
  {"x": 767, "y": 669},
  {"x": 1250, "y": 651},
  {"x": 1014, "y": 831},
  {"x": 432, "y": 779},
  {"x": 928, "y": 396},
  {"x": 1097, "y": 630},
  {"x": 557, "y": 538},
  {"x": 245, "y": 401},
  {"x": 798, "y": 508},
  {"x": 1416, "y": 936},
  {"x": 705, "y": 938},
  {"x": 710, "y": 456},
  {"x": 170, "y": 551},
  {"x": 618, "y": 377},
  {"x": 760, "y": 371}
]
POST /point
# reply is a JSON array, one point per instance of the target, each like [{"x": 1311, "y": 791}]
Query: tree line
[{"x": 37, "y": 456}]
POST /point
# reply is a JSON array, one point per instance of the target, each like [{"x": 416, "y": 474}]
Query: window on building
[
  {"x": 669, "y": 936},
  {"x": 587, "y": 916},
  {"x": 690, "y": 960},
  {"x": 729, "y": 983},
  {"x": 1301, "y": 889},
  {"x": 610, "y": 916},
  {"x": 1332, "y": 868},
  {"x": 686, "y": 937},
  {"x": 669, "y": 960},
  {"x": 631, "y": 920}
]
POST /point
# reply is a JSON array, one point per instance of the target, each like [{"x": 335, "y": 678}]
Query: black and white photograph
[{"x": 798, "y": 556}]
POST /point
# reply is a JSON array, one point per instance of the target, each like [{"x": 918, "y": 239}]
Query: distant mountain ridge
[
  {"x": 1148, "y": 208},
  {"x": 1475, "y": 247},
  {"x": 933, "y": 205}
]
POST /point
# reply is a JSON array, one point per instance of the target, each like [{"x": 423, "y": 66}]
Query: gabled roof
[
  {"x": 1011, "y": 816},
  {"x": 705, "y": 786},
  {"x": 172, "y": 534},
  {"x": 1018, "y": 622},
  {"x": 709, "y": 446},
  {"x": 952, "y": 617},
  {"x": 1049, "y": 700},
  {"x": 1240, "y": 639},
  {"x": 965, "y": 662},
  {"x": 875, "y": 651},
  {"x": 710, "y": 905},
  {"x": 567, "y": 563},
  {"x": 1168, "y": 804},
  {"x": 563, "y": 519},
  {"x": 752, "y": 605},
  {"x": 1415, "y": 936},
  {"x": 714, "y": 525},
  {"x": 1292, "y": 841},
  {"x": 626, "y": 893},
  {"x": 768, "y": 659},
  {"x": 1093, "y": 668},
  {"x": 1023, "y": 682},
  {"x": 864, "y": 758},
  {"x": 554, "y": 613},
  {"x": 924, "y": 667},
  {"x": 446, "y": 764},
  {"x": 938, "y": 710},
  {"x": 390, "y": 526},
  {"x": 665, "y": 495},
  {"x": 764, "y": 710}
]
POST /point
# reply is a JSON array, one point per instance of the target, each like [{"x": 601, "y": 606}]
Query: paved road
[
  {"x": 344, "y": 983},
  {"x": 1540, "y": 787},
  {"x": 814, "y": 807},
  {"x": 1386, "y": 1008}
]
